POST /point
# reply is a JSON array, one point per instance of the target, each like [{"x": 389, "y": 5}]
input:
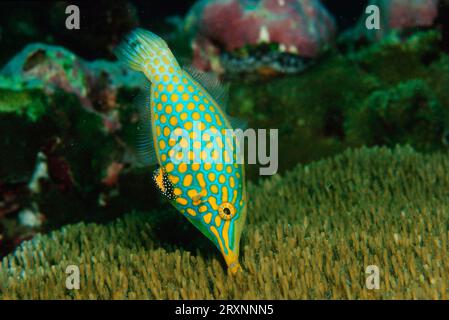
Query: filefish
[{"x": 205, "y": 184}]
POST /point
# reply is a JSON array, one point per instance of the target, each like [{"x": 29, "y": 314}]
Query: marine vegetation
[
  {"x": 338, "y": 103},
  {"x": 68, "y": 125},
  {"x": 339, "y": 215}
]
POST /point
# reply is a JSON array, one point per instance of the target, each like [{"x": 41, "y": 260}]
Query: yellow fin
[{"x": 212, "y": 84}]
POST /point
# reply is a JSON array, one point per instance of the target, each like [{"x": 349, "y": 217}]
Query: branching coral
[{"x": 310, "y": 234}]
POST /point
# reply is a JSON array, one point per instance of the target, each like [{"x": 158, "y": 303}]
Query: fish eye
[{"x": 226, "y": 211}]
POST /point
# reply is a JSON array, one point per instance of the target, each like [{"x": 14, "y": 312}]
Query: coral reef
[
  {"x": 407, "y": 113},
  {"x": 68, "y": 169},
  {"x": 48, "y": 68},
  {"x": 334, "y": 105},
  {"x": 310, "y": 234},
  {"x": 301, "y": 28},
  {"x": 406, "y": 14},
  {"x": 324, "y": 110},
  {"x": 74, "y": 125},
  {"x": 67, "y": 127}
]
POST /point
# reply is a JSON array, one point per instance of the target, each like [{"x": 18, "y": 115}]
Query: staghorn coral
[{"x": 310, "y": 234}]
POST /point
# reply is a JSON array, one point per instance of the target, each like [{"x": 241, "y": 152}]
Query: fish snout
[
  {"x": 232, "y": 260},
  {"x": 235, "y": 268}
]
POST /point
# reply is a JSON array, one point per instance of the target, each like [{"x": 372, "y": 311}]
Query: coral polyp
[{"x": 364, "y": 207}]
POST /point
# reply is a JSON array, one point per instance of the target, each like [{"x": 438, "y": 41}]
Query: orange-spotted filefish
[{"x": 211, "y": 194}]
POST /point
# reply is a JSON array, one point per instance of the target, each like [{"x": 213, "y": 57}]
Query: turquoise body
[{"x": 197, "y": 156}]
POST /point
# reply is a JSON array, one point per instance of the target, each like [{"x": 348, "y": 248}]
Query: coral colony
[
  {"x": 299, "y": 28},
  {"x": 354, "y": 205}
]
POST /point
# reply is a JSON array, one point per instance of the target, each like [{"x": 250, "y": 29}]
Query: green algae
[
  {"x": 307, "y": 109},
  {"x": 310, "y": 234},
  {"x": 77, "y": 114},
  {"x": 30, "y": 103},
  {"x": 408, "y": 113},
  {"x": 319, "y": 111},
  {"x": 393, "y": 61}
]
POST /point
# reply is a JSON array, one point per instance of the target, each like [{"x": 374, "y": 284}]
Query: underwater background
[{"x": 363, "y": 151}]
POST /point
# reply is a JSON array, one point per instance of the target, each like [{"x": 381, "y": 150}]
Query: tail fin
[{"x": 141, "y": 48}]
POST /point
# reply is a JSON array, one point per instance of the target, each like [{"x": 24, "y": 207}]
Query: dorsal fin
[
  {"x": 145, "y": 146},
  {"x": 237, "y": 123},
  {"x": 211, "y": 83},
  {"x": 218, "y": 91}
]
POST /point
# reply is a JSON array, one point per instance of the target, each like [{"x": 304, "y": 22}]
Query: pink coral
[
  {"x": 410, "y": 13},
  {"x": 301, "y": 27},
  {"x": 398, "y": 15}
]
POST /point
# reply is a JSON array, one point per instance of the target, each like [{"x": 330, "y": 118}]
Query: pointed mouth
[
  {"x": 235, "y": 268},
  {"x": 233, "y": 262}
]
